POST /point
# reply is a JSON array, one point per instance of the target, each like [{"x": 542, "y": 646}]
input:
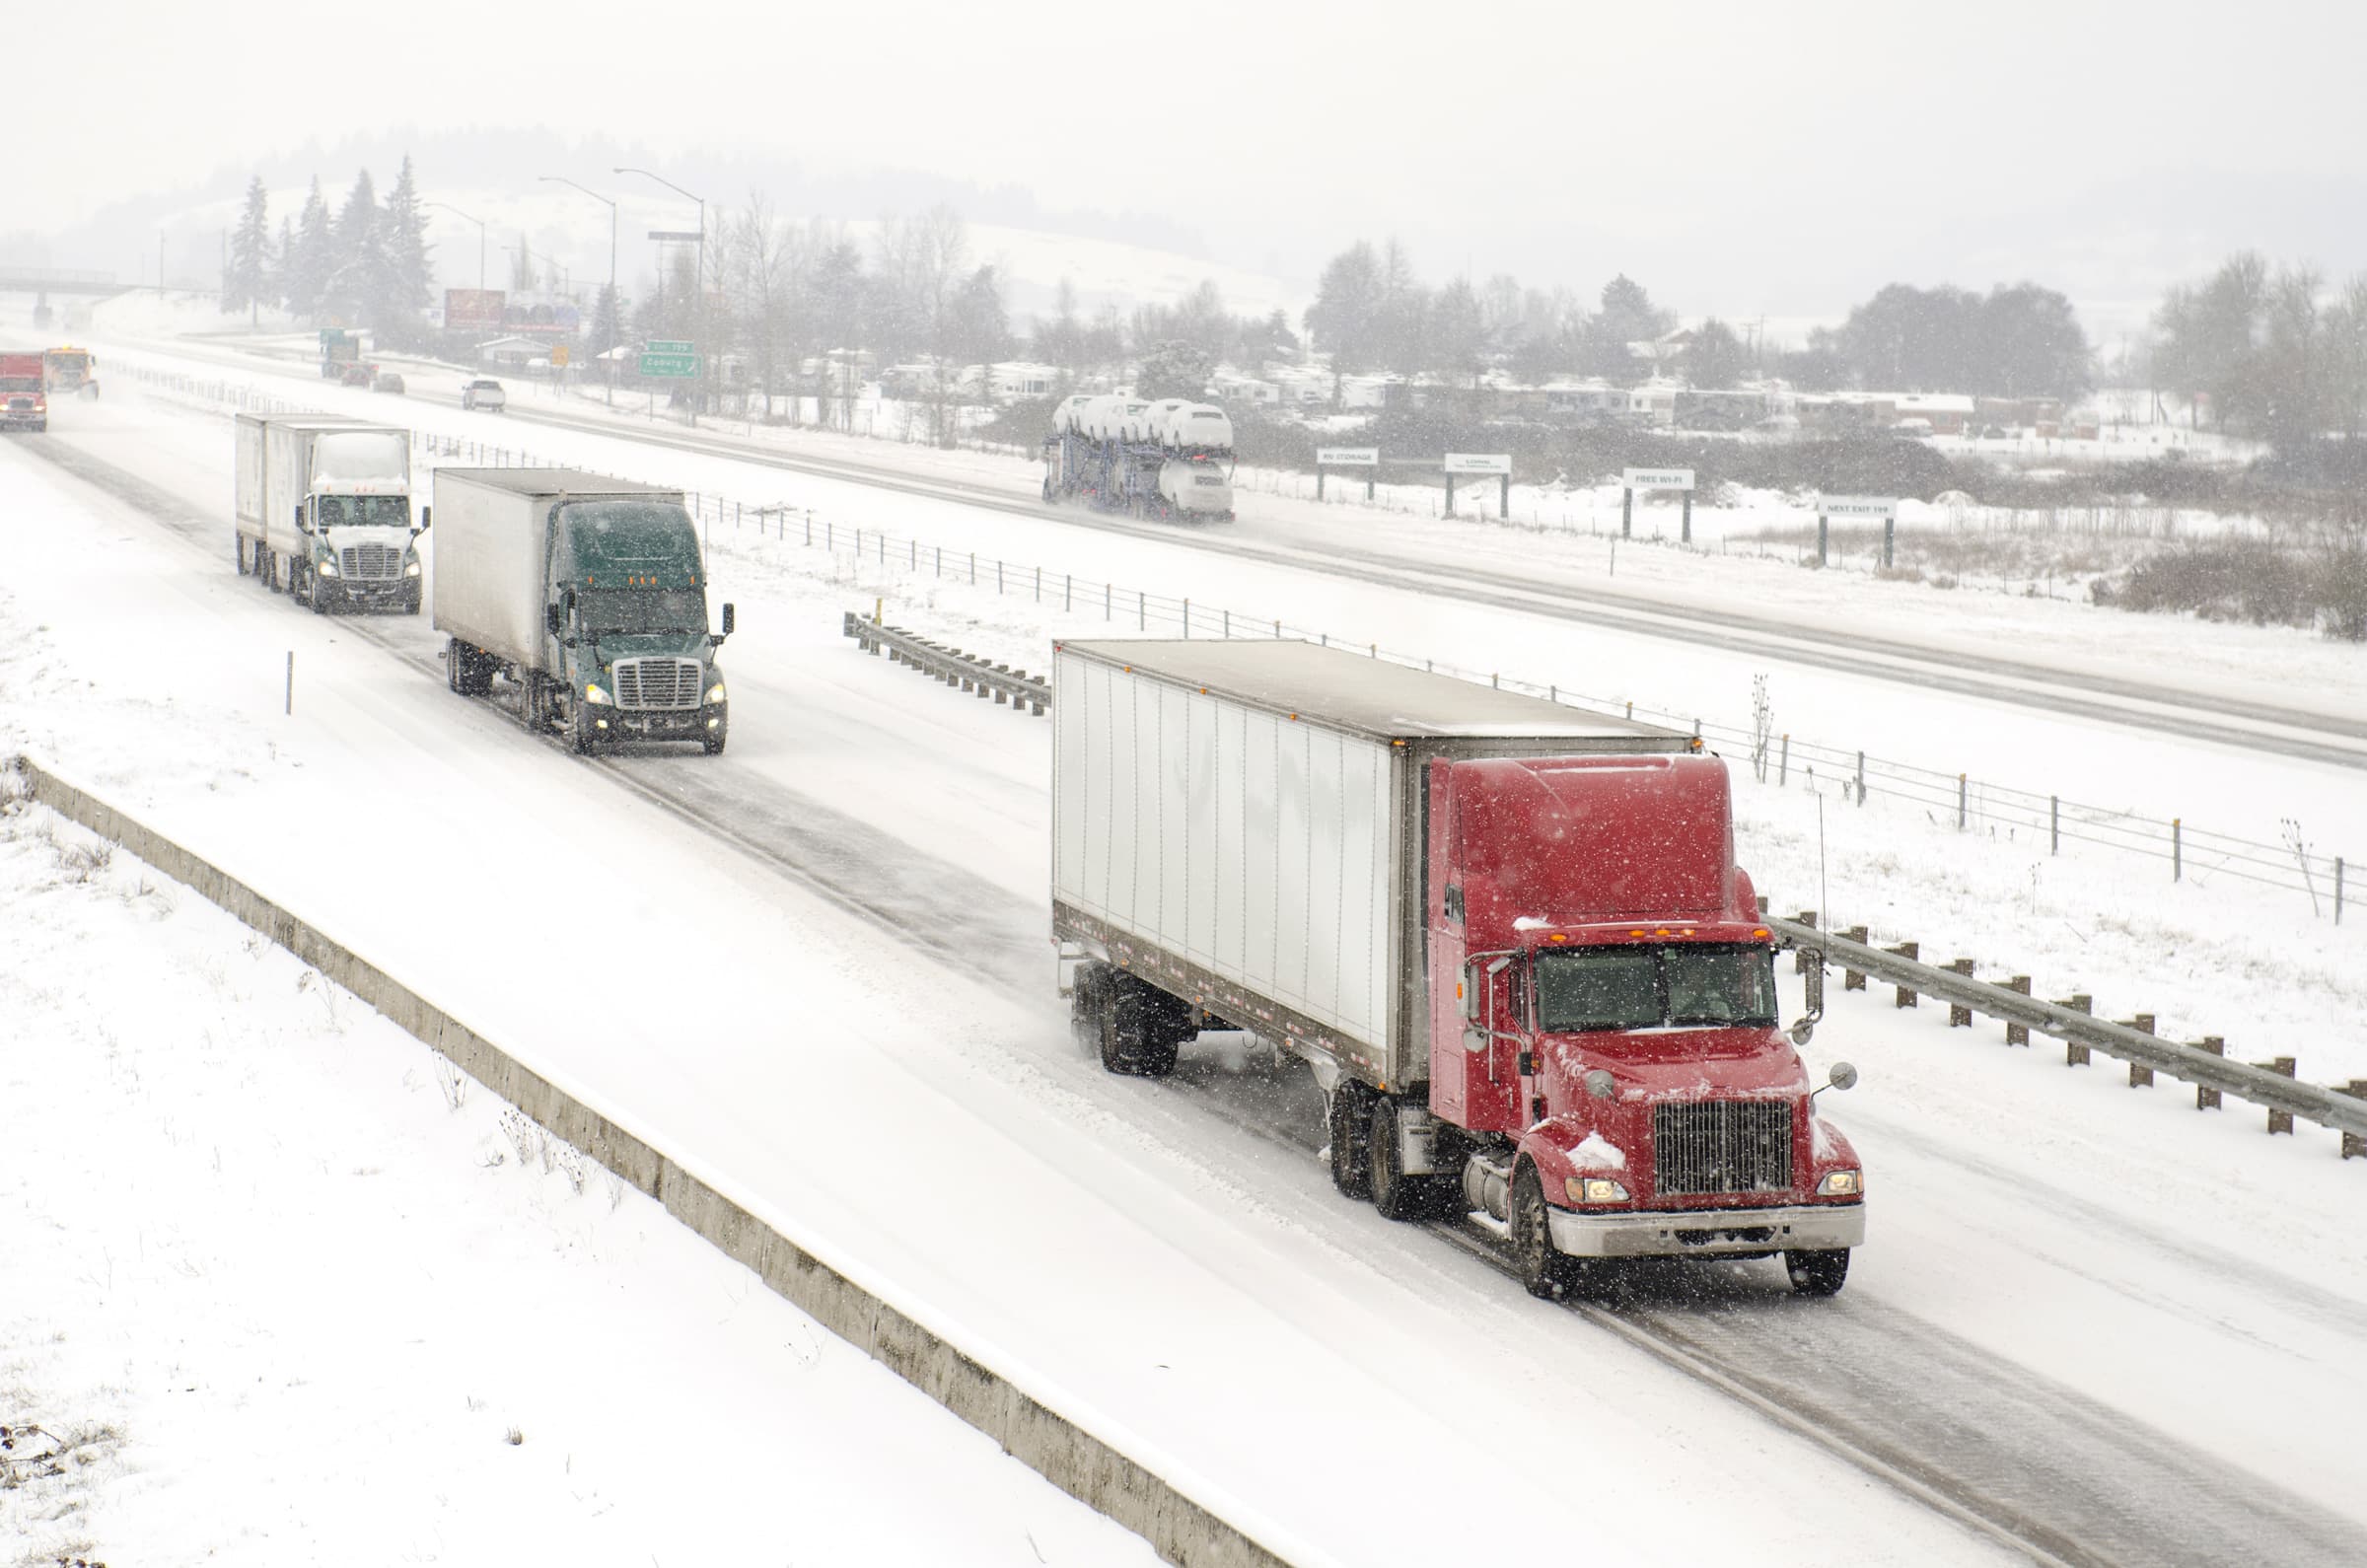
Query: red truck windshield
[
  {"x": 20, "y": 384},
  {"x": 1707, "y": 985}
]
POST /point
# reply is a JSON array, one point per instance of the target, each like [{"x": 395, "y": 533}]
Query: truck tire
[
  {"x": 1817, "y": 1273},
  {"x": 238, "y": 545},
  {"x": 1350, "y": 1120},
  {"x": 579, "y": 728},
  {"x": 1544, "y": 1271},
  {"x": 1139, "y": 1038},
  {"x": 1396, "y": 1195},
  {"x": 712, "y": 744}
]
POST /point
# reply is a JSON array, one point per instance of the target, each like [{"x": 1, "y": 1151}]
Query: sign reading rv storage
[{"x": 1347, "y": 457}]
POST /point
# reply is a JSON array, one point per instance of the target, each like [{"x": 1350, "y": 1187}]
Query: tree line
[
  {"x": 2265, "y": 351},
  {"x": 367, "y": 263}
]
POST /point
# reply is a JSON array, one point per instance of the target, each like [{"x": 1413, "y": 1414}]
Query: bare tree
[{"x": 760, "y": 260}]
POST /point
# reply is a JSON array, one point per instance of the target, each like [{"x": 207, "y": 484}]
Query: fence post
[
  {"x": 2018, "y": 1034},
  {"x": 1963, "y": 798},
  {"x": 1783, "y": 767},
  {"x": 1904, "y": 950},
  {"x": 2337, "y": 890},
  {"x": 1068, "y": 591},
  {"x": 1187, "y": 620},
  {"x": 2208, "y": 1099},
  {"x": 1685, "y": 536},
  {"x": 2177, "y": 850},
  {"x": 1959, "y": 1015},
  {"x": 1861, "y": 769},
  {"x": 998, "y": 574},
  {"x": 1823, "y": 539},
  {"x": 1038, "y": 585},
  {"x": 2280, "y": 1120},
  {"x": 1627, "y": 512},
  {"x": 2074, "y": 1053},
  {"x": 2140, "y": 1076},
  {"x": 2054, "y": 825},
  {"x": 1142, "y": 610}
]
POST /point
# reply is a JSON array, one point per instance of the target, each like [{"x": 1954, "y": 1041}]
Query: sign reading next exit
[
  {"x": 1656, "y": 479},
  {"x": 1868, "y": 506}
]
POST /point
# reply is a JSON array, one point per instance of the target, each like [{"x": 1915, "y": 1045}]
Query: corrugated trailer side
[
  {"x": 491, "y": 546},
  {"x": 1231, "y": 854},
  {"x": 1244, "y": 826}
]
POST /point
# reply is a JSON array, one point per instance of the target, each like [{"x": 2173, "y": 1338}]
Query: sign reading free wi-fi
[{"x": 1656, "y": 479}]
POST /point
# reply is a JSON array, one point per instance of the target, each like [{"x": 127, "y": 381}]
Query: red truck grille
[{"x": 1721, "y": 1146}]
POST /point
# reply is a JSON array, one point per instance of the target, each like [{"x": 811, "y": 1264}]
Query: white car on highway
[{"x": 483, "y": 393}]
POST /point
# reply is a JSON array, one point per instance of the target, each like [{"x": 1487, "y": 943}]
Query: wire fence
[{"x": 1972, "y": 806}]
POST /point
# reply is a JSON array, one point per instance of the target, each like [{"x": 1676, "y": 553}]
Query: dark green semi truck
[{"x": 588, "y": 595}]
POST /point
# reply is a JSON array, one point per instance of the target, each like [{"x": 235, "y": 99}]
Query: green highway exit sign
[{"x": 678, "y": 365}]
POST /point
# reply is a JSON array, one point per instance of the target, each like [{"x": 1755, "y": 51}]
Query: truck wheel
[
  {"x": 1396, "y": 1195},
  {"x": 712, "y": 744},
  {"x": 579, "y": 729},
  {"x": 1134, "y": 1038},
  {"x": 1544, "y": 1271},
  {"x": 266, "y": 569},
  {"x": 238, "y": 545},
  {"x": 1817, "y": 1273},
  {"x": 1351, "y": 1126}
]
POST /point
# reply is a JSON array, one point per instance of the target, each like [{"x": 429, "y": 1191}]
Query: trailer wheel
[
  {"x": 1351, "y": 1127},
  {"x": 1817, "y": 1273},
  {"x": 1137, "y": 1038},
  {"x": 238, "y": 545},
  {"x": 1544, "y": 1271}
]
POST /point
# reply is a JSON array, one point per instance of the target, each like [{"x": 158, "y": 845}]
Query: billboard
[{"x": 473, "y": 309}]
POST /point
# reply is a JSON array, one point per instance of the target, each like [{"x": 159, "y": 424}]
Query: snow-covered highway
[{"x": 916, "y": 1108}]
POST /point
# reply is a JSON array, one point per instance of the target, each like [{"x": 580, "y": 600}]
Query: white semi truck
[{"x": 324, "y": 511}]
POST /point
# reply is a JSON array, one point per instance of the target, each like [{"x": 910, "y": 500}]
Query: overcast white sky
[{"x": 1738, "y": 149}]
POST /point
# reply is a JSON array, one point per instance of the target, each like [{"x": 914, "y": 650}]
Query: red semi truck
[
  {"x": 23, "y": 398},
  {"x": 1509, "y": 938}
]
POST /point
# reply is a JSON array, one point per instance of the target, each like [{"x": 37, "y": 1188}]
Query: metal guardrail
[
  {"x": 950, "y": 664},
  {"x": 2271, "y": 1085}
]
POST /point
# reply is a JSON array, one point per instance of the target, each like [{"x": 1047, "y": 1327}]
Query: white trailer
[
  {"x": 1242, "y": 823},
  {"x": 324, "y": 508}
]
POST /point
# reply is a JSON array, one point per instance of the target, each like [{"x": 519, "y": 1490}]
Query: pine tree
[
  {"x": 407, "y": 268},
  {"x": 356, "y": 280},
  {"x": 312, "y": 260},
  {"x": 250, "y": 274},
  {"x": 282, "y": 256}
]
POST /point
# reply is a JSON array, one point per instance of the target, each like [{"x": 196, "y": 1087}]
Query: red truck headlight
[{"x": 1842, "y": 1185}]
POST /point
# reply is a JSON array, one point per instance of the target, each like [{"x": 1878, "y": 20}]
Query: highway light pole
[
  {"x": 614, "y": 303},
  {"x": 481, "y": 237},
  {"x": 706, "y": 353}
]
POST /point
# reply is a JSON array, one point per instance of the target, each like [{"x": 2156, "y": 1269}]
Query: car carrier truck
[
  {"x": 1509, "y": 938},
  {"x": 324, "y": 511},
  {"x": 588, "y": 595},
  {"x": 1111, "y": 454}
]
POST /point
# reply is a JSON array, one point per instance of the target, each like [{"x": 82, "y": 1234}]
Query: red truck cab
[
  {"x": 23, "y": 395},
  {"x": 1605, "y": 1052}
]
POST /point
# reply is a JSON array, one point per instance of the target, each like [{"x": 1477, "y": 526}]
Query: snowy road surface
[{"x": 2052, "y": 1241}]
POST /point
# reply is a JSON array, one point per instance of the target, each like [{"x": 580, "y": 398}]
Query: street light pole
[
  {"x": 481, "y": 237},
  {"x": 614, "y": 303},
  {"x": 706, "y": 349}
]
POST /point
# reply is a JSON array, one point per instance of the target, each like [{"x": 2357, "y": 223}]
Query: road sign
[
  {"x": 1479, "y": 463},
  {"x": 668, "y": 345},
  {"x": 558, "y": 356},
  {"x": 1656, "y": 479},
  {"x": 1866, "y": 506},
  {"x": 1347, "y": 457},
  {"x": 682, "y": 367}
]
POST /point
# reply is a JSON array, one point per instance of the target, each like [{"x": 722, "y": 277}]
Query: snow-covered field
[
  {"x": 283, "y": 1288},
  {"x": 1141, "y": 1256}
]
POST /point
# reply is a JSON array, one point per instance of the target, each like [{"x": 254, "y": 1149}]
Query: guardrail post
[
  {"x": 1906, "y": 950},
  {"x": 2208, "y": 1099},
  {"x": 1001, "y": 694},
  {"x": 2278, "y": 1121},
  {"x": 2018, "y": 1034},
  {"x": 1800, "y": 963},
  {"x": 2140, "y": 1076},
  {"x": 2074, "y": 1053},
  {"x": 1854, "y": 980},
  {"x": 2354, "y": 1145},
  {"x": 1959, "y": 1015}
]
